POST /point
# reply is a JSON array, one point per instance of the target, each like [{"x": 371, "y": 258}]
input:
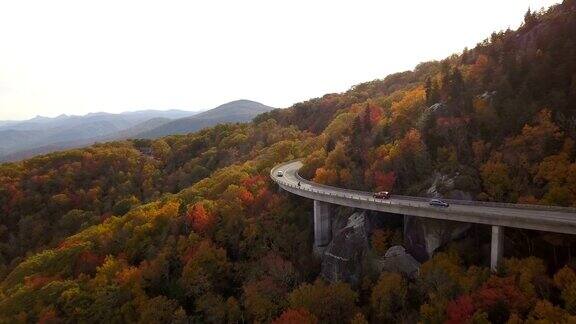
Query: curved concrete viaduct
[{"x": 497, "y": 215}]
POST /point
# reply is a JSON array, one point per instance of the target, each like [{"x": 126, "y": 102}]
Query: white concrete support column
[
  {"x": 322, "y": 226},
  {"x": 496, "y": 247}
]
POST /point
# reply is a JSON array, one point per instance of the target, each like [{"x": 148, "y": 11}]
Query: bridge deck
[{"x": 535, "y": 217}]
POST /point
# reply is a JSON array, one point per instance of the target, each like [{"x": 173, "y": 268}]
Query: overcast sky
[{"x": 76, "y": 57}]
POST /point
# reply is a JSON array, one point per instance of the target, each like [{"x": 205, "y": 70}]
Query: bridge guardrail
[
  {"x": 420, "y": 199},
  {"x": 403, "y": 204}
]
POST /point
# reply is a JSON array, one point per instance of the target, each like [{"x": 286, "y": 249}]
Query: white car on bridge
[{"x": 438, "y": 203}]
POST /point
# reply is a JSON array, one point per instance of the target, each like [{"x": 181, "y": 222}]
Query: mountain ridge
[
  {"x": 235, "y": 111},
  {"x": 190, "y": 228},
  {"x": 41, "y": 135}
]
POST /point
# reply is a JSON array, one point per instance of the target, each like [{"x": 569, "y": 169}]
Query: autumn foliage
[
  {"x": 196, "y": 232},
  {"x": 296, "y": 316},
  {"x": 200, "y": 220}
]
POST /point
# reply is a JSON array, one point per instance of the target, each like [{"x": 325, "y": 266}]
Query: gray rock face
[
  {"x": 342, "y": 260},
  {"x": 397, "y": 260},
  {"x": 439, "y": 180},
  {"x": 436, "y": 106},
  {"x": 423, "y": 236},
  {"x": 347, "y": 254},
  {"x": 443, "y": 186}
]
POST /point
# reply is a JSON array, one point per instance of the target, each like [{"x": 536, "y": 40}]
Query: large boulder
[
  {"x": 423, "y": 236},
  {"x": 343, "y": 258},
  {"x": 397, "y": 260}
]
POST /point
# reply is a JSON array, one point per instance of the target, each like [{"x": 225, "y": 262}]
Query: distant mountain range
[
  {"x": 40, "y": 135},
  {"x": 235, "y": 111}
]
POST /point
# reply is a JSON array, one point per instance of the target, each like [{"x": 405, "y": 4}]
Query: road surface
[{"x": 535, "y": 217}]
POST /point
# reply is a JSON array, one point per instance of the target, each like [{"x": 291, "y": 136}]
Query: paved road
[{"x": 543, "y": 218}]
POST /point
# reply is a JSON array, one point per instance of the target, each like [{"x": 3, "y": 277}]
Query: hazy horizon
[
  {"x": 115, "y": 113},
  {"x": 110, "y": 57}
]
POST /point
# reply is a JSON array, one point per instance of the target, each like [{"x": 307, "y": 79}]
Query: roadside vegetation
[{"x": 189, "y": 228}]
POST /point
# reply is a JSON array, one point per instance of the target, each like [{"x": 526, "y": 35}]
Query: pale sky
[{"x": 76, "y": 57}]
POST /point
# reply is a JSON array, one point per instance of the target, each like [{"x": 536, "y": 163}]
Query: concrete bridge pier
[
  {"x": 322, "y": 226},
  {"x": 496, "y": 247}
]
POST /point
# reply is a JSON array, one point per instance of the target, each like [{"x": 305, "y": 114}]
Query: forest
[{"x": 190, "y": 229}]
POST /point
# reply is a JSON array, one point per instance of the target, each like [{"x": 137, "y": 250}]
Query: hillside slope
[
  {"x": 40, "y": 135},
  {"x": 490, "y": 124},
  {"x": 190, "y": 229},
  {"x": 79, "y": 141}
]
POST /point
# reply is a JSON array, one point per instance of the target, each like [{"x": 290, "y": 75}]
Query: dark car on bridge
[
  {"x": 438, "y": 203},
  {"x": 381, "y": 195}
]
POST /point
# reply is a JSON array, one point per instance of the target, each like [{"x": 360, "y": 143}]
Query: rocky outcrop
[
  {"x": 444, "y": 186},
  {"x": 423, "y": 236},
  {"x": 440, "y": 182},
  {"x": 398, "y": 260},
  {"x": 347, "y": 257},
  {"x": 343, "y": 258},
  {"x": 436, "y": 107}
]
